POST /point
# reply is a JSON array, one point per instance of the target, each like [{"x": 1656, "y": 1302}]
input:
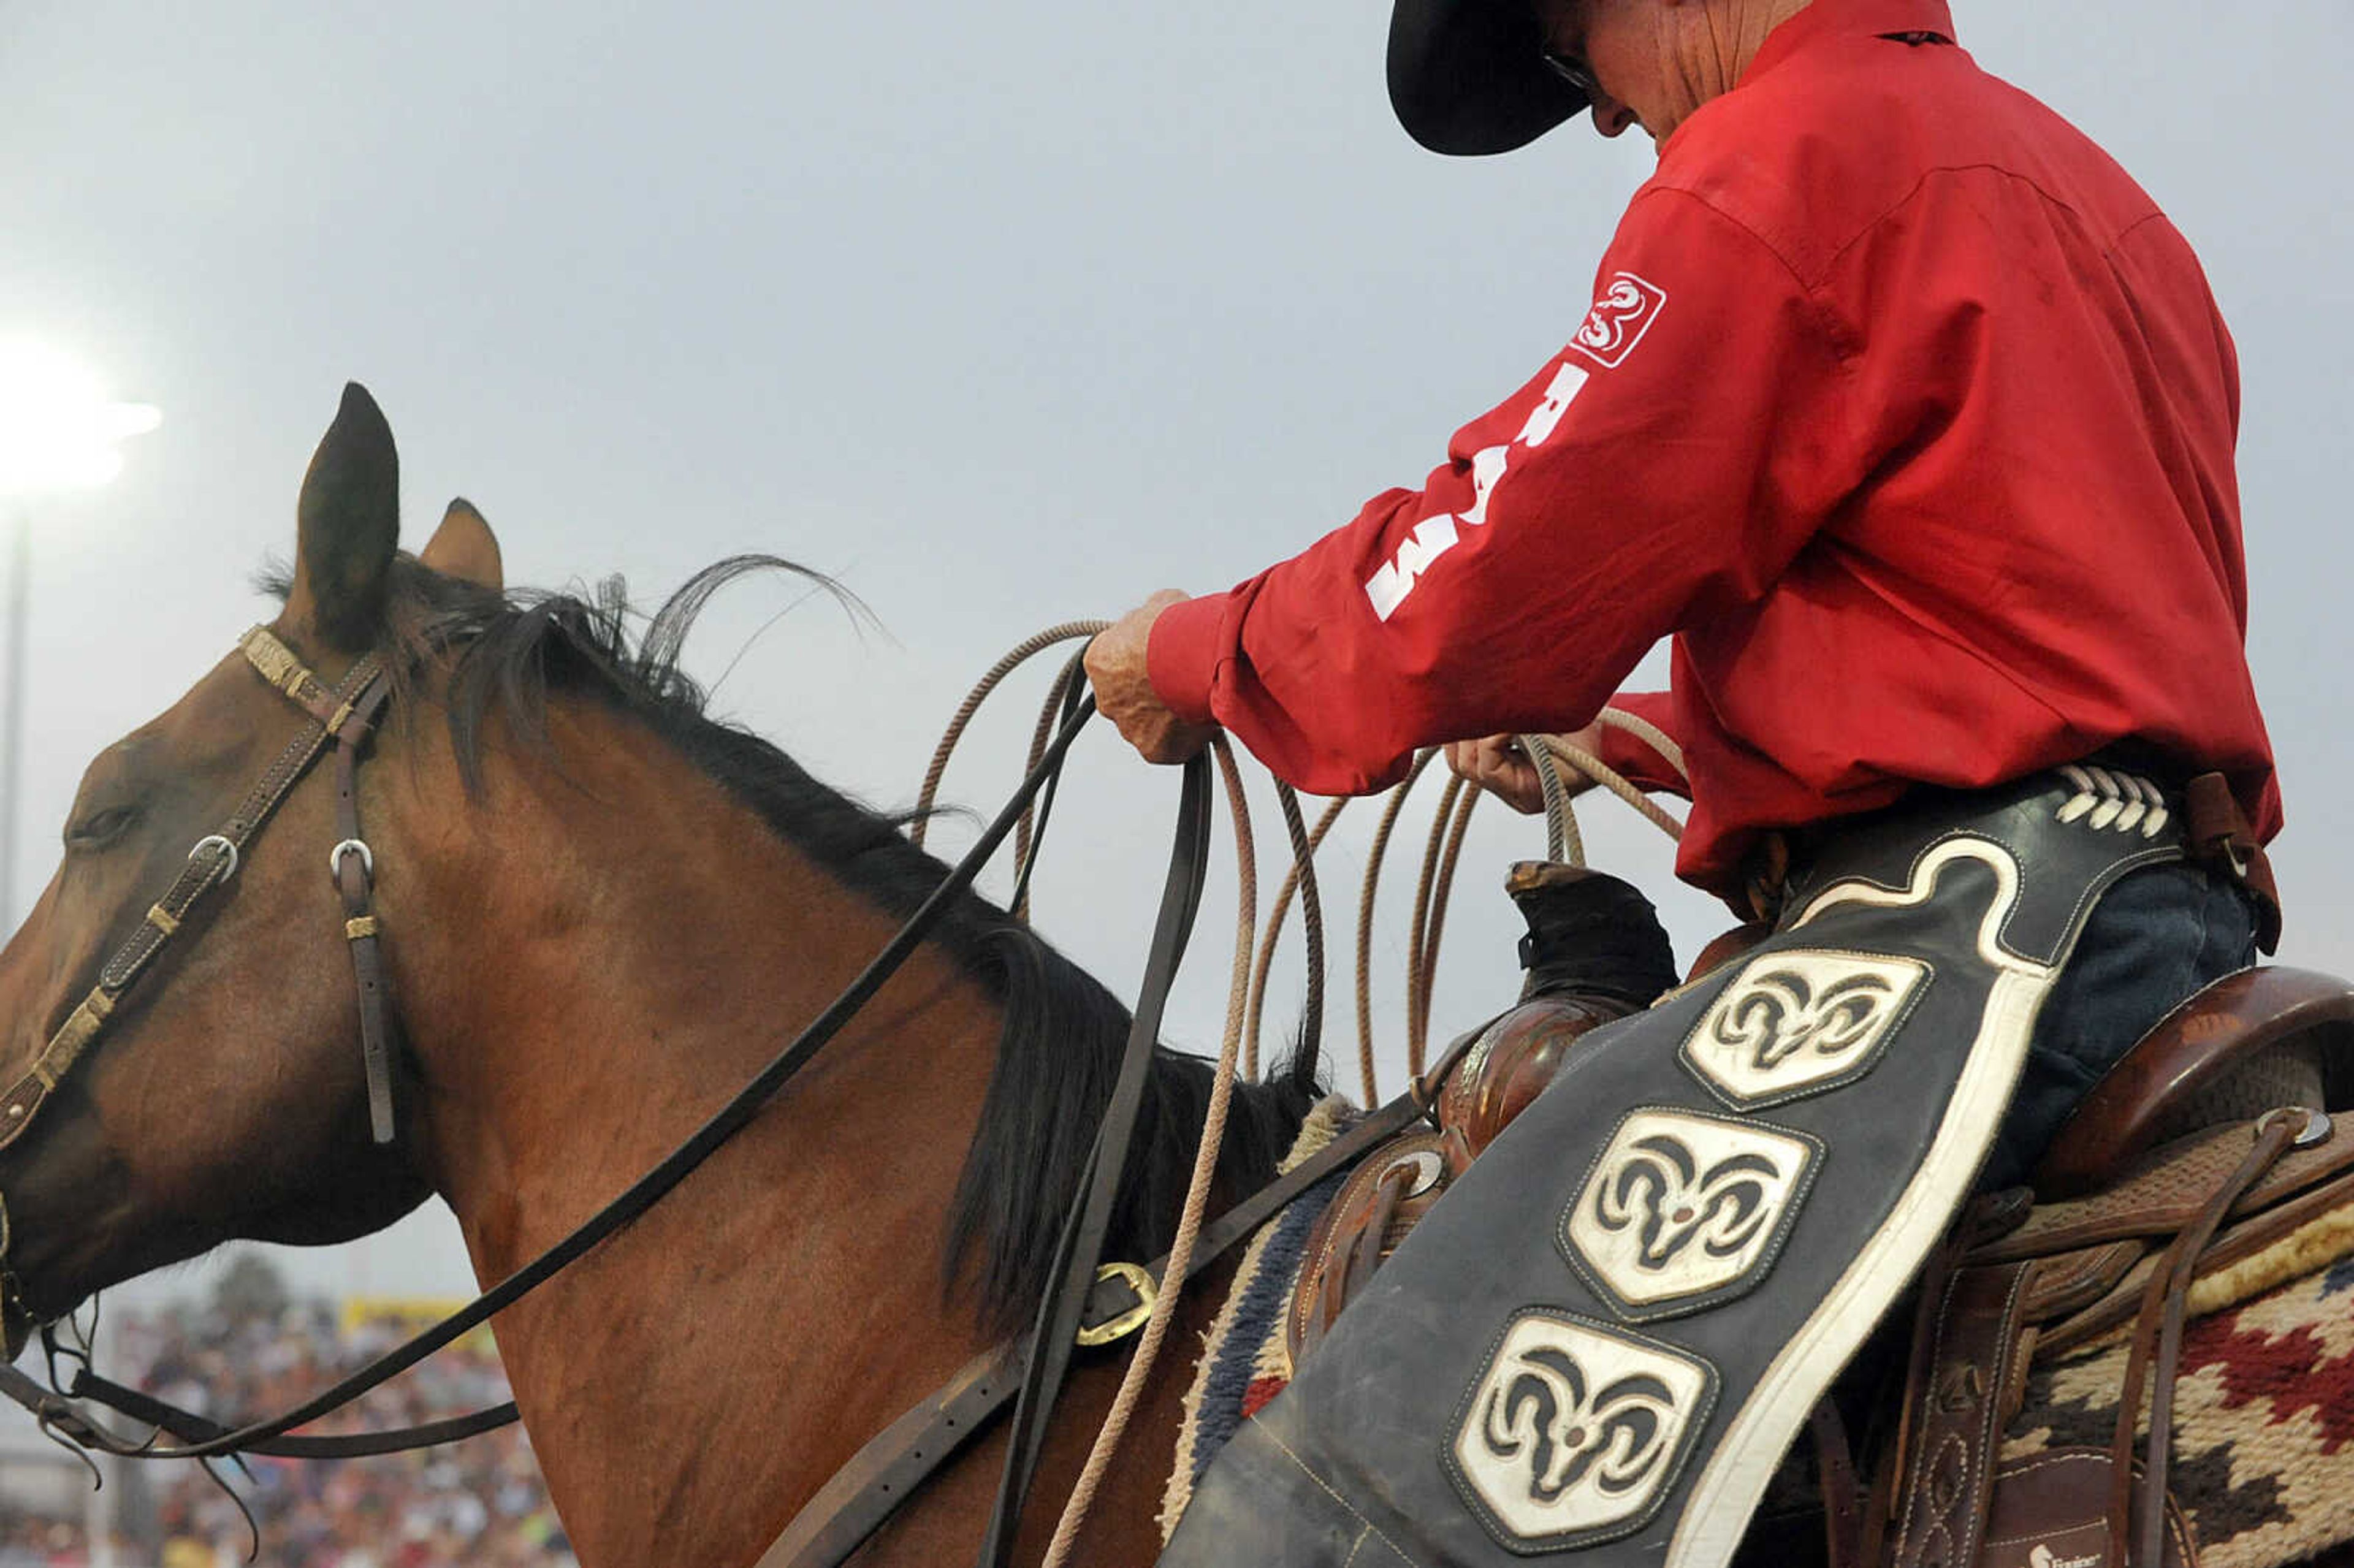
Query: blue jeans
[{"x": 2160, "y": 934}]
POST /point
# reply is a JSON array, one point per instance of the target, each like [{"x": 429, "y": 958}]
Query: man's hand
[
  {"x": 1124, "y": 693},
  {"x": 1498, "y": 765}
]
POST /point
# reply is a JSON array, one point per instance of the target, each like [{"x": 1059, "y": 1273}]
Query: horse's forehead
[
  {"x": 213, "y": 718},
  {"x": 126, "y": 755}
]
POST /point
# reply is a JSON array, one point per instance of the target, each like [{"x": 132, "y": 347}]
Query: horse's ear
[
  {"x": 465, "y": 548},
  {"x": 347, "y": 526}
]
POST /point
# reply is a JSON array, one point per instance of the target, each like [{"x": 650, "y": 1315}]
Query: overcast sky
[{"x": 1005, "y": 315}]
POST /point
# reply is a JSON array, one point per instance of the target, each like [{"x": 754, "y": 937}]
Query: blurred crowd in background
[{"x": 249, "y": 1351}]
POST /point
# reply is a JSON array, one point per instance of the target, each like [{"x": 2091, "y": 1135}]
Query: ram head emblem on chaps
[
  {"x": 1798, "y": 1022},
  {"x": 1778, "y": 1016},
  {"x": 1575, "y": 1432},
  {"x": 1682, "y": 1206},
  {"x": 1671, "y": 1202},
  {"x": 1544, "y": 1418}
]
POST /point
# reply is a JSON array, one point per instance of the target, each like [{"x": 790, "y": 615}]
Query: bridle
[
  {"x": 342, "y": 719},
  {"x": 1106, "y": 1302}
]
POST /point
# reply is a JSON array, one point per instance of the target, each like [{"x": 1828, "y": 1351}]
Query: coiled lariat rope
[
  {"x": 1552, "y": 756},
  {"x": 1020, "y": 654},
  {"x": 1551, "y": 751},
  {"x": 1563, "y": 842},
  {"x": 1374, "y": 858},
  {"x": 1254, "y": 953},
  {"x": 1434, "y": 890},
  {"x": 1300, "y": 879}
]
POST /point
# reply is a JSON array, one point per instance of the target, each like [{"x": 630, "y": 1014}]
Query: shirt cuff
[{"x": 1180, "y": 657}]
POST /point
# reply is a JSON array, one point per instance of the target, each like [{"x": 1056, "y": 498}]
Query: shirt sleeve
[
  {"x": 1630, "y": 755},
  {"x": 1663, "y": 467}
]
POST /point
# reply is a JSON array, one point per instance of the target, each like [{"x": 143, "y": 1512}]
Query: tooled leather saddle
[{"x": 2204, "y": 1148}]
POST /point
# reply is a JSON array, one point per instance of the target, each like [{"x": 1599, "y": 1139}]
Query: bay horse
[{"x": 601, "y": 912}]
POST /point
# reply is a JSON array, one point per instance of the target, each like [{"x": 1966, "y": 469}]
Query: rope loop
[{"x": 1555, "y": 760}]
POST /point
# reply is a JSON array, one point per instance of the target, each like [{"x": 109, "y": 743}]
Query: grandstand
[{"x": 253, "y": 1349}]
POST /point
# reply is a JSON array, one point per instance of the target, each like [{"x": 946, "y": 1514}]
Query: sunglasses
[{"x": 1573, "y": 71}]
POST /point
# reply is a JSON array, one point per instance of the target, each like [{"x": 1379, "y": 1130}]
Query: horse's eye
[{"x": 101, "y": 827}]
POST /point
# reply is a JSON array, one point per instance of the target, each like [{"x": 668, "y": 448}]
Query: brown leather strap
[
  {"x": 2158, "y": 1337},
  {"x": 2273, "y": 1137},
  {"x": 867, "y": 1490},
  {"x": 1960, "y": 1416},
  {"x": 862, "y": 1494},
  {"x": 53, "y": 1410},
  {"x": 1081, "y": 1247},
  {"x": 1842, "y": 1496},
  {"x": 1371, "y": 1244},
  {"x": 353, "y": 866},
  {"x": 277, "y": 665},
  {"x": 2217, "y": 834}
]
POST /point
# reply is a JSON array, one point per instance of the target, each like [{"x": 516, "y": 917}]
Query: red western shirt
[{"x": 1900, "y": 407}]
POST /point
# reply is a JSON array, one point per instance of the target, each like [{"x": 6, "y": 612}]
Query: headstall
[{"x": 342, "y": 717}]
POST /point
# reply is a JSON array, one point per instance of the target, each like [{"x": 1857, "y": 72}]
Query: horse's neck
[{"x": 597, "y": 960}]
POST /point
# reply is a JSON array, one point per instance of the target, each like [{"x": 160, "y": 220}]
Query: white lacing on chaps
[{"x": 2114, "y": 799}]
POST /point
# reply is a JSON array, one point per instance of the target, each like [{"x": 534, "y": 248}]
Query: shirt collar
[{"x": 1837, "y": 18}]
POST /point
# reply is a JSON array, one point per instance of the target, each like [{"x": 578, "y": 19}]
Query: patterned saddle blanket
[{"x": 2263, "y": 1468}]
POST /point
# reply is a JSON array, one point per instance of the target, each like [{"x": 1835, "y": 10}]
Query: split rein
[
  {"x": 1556, "y": 759},
  {"x": 1092, "y": 1305},
  {"x": 344, "y": 717}
]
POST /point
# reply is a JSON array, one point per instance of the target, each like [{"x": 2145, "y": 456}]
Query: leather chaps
[{"x": 1605, "y": 1337}]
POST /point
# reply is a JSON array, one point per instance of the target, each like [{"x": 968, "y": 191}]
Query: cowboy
[{"x": 1909, "y": 416}]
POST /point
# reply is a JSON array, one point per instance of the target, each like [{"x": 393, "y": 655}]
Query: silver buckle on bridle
[
  {"x": 350, "y": 846},
  {"x": 229, "y": 871}
]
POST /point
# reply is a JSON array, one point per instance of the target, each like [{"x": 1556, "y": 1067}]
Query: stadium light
[{"x": 58, "y": 431}]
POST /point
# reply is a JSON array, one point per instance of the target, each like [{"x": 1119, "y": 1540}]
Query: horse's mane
[{"x": 506, "y": 654}]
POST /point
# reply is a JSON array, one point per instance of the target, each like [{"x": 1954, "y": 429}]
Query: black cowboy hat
[{"x": 1470, "y": 77}]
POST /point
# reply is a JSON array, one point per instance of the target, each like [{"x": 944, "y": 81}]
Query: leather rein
[{"x": 1091, "y": 1306}]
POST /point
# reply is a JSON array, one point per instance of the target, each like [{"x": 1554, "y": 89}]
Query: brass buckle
[{"x": 1129, "y": 1321}]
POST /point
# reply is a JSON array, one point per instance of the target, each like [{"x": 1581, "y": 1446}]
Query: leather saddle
[
  {"x": 2149, "y": 1188},
  {"x": 2201, "y": 1171},
  {"x": 2262, "y": 1037}
]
